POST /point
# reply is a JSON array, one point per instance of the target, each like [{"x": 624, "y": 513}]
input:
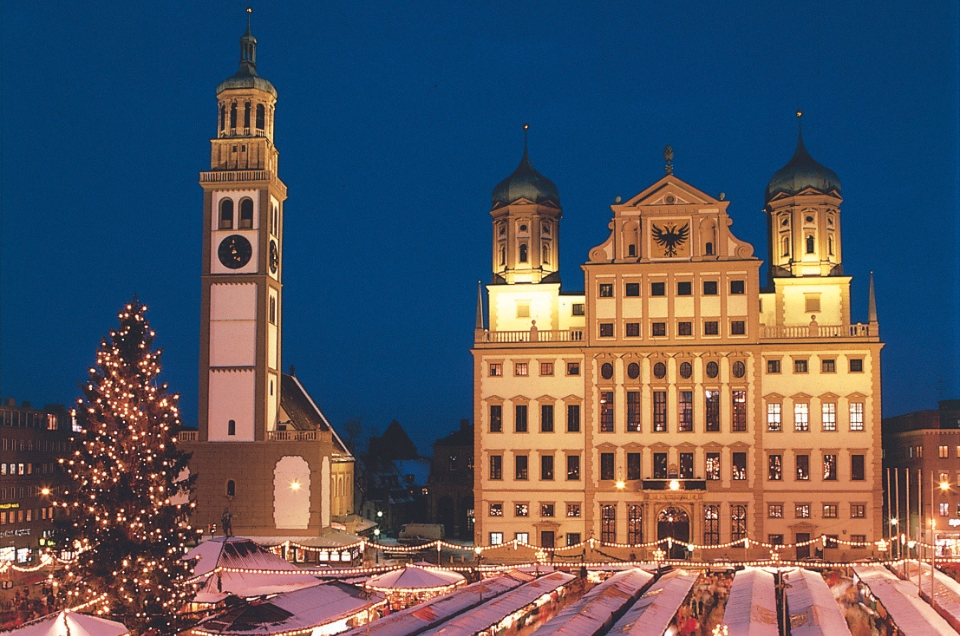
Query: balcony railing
[
  {"x": 291, "y": 436},
  {"x": 858, "y": 330},
  {"x": 187, "y": 436},
  {"x": 530, "y": 335},
  {"x": 235, "y": 176},
  {"x": 666, "y": 484}
]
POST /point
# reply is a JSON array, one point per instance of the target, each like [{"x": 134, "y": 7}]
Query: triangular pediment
[
  {"x": 607, "y": 446},
  {"x": 670, "y": 191}
]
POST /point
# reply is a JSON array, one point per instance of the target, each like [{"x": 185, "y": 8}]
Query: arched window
[
  {"x": 231, "y": 488},
  {"x": 273, "y": 310},
  {"x": 223, "y": 117},
  {"x": 786, "y": 246},
  {"x": 634, "y": 524},
  {"x": 233, "y": 115},
  {"x": 246, "y": 115},
  {"x": 830, "y": 244},
  {"x": 738, "y": 522},
  {"x": 523, "y": 252},
  {"x": 261, "y": 116},
  {"x": 246, "y": 214},
  {"x": 503, "y": 255},
  {"x": 546, "y": 253},
  {"x": 226, "y": 214},
  {"x": 711, "y": 525},
  {"x": 232, "y": 427},
  {"x": 810, "y": 245}
]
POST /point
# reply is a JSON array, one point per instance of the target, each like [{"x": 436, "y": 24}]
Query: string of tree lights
[{"x": 116, "y": 511}]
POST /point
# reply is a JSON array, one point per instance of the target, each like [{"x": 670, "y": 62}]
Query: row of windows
[
  {"x": 801, "y": 417},
  {"x": 43, "y": 445},
  {"x": 827, "y": 365},
  {"x": 685, "y": 369},
  {"x": 226, "y": 214},
  {"x": 775, "y": 467},
  {"x": 28, "y": 419},
  {"x": 684, "y": 288},
  {"x": 21, "y": 515},
  {"x": 683, "y": 328},
  {"x": 828, "y": 511},
  {"x": 21, "y": 492},
  {"x": 247, "y": 111},
  {"x": 45, "y": 468},
  {"x": 573, "y": 538},
  {"x": 522, "y": 509}
]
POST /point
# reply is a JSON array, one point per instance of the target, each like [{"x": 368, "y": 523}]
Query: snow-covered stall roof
[
  {"x": 328, "y": 605},
  {"x": 415, "y": 578},
  {"x": 599, "y": 607},
  {"x": 489, "y": 614},
  {"x": 813, "y": 609},
  {"x": 67, "y": 623},
  {"x": 418, "y": 618},
  {"x": 911, "y": 613},
  {"x": 238, "y": 566},
  {"x": 652, "y": 613},
  {"x": 946, "y": 592},
  {"x": 752, "y": 607}
]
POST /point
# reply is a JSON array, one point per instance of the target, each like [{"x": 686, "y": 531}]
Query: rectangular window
[
  {"x": 801, "y": 416},
  {"x": 774, "y": 467},
  {"x": 577, "y": 309},
  {"x": 658, "y": 289},
  {"x": 858, "y": 540},
  {"x": 633, "y": 289},
  {"x": 633, "y": 411},
  {"x": 659, "y": 329},
  {"x": 775, "y": 511},
  {"x": 520, "y": 421},
  {"x": 830, "y": 541},
  {"x": 828, "y": 366},
  {"x": 856, "y": 365},
  {"x": 774, "y": 423},
  {"x": 811, "y": 303},
  {"x": 711, "y": 525},
  {"x": 944, "y": 509},
  {"x": 659, "y": 465},
  {"x": 828, "y": 413},
  {"x": 608, "y": 523},
  {"x": 633, "y": 466},
  {"x": 857, "y": 468},
  {"x": 737, "y": 287},
  {"x": 606, "y": 330},
  {"x": 546, "y": 510},
  {"x": 546, "y": 467},
  {"x": 546, "y": 418},
  {"x": 633, "y": 329},
  {"x": 713, "y": 466},
  {"x": 573, "y": 538},
  {"x": 573, "y": 510},
  {"x": 856, "y": 417},
  {"x": 775, "y": 539},
  {"x": 685, "y": 412},
  {"x": 800, "y": 366},
  {"x": 496, "y": 510},
  {"x": 634, "y": 524},
  {"x": 738, "y": 327},
  {"x": 711, "y": 328},
  {"x": 712, "y": 410},
  {"x": 830, "y": 511},
  {"x": 606, "y": 466},
  {"x": 684, "y": 288},
  {"x": 573, "y": 468},
  {"x": 773, "y": 366},
  {"x": 522, "y": 467},
  {"x": 606, "y": 411},
  {"x": 521, "y": 369},
  {"x": 659, "y": 411},
  {"x": 496, "y": 418},
  {"x": 739, "y": 411},
  {"x": 521, "y": 510},
  {"x": 573, "y": 418},
  {"x": 606, "y": 290},
  {"x": 686, "y": 465},
  {"x": 802, "y": 511},
  {"x": 829, "y": 467},
  {"x": 943, "y": 451},
  {"x": 858, "y": 511},
  {"x": 496, "y": 369},
  {"x": 739, "y": 466},
  {"x": 573, "y": 368},
  {"x": 803, "y": 467},
  {"x": 496, "y": 538},
  {"x": 709, "y": 288},
  {"x": 522, "y": 537},
  {"x": 546, "y": 368},
  {"x": 496, "y": 467},
  {"x": 684, "y": 328}
]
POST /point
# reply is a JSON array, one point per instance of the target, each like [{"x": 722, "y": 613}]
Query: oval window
[
  {"x": 606, "y": 370},
  {"x": 660, "y": 370},
  {"x": 713, "y": 369},
  {"x": 739, "y": 369},
  {"x": 686, "y": 370},
  {"x": 633, "y": 370}
]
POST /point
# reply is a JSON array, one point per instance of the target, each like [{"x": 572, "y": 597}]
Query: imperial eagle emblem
[{"x": 670, "y": 238}]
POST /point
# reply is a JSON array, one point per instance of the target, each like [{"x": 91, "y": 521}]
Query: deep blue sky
[{"x": 396, "y": 120}]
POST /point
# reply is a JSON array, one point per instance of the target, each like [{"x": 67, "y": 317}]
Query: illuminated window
[
  {"x": 712, "y": 410},
  {"x": 496, "y": 510},
  {"x": 634, "y": 524},
  {"x": 521, "y": 369},
  {"x": 573, "y": 468},
  {"x": 686, "y": 465},
  {"x": 606, "y": 411},
  {"x": 546, "y": 510},
  {"x": 801, "y": 417},
  {"x": 828, "y": 411},
  {"x": 829, "y": 467},
  {"x": 496, "y": 369},
  {"x": 633, "y": 411},
  {"x": 739, "y": 411},
  {"x": 774, "y": 423},
  {"x": 738, "y": 523},
  {"x": 713, "y": 466},
  {"x": 858, "y": 511},
  {"x": 685, "y": 411},
  {"x": 803, "y": 467},
  {"x": 943, "y": 451},
  {"x": 775, "y": 511},
  {"x": 739, "y": 466},
  {"x": 606, "y": 290},
  {"x": 856, "y": 417},
  {"x": 802, "y": 511},
  {"x": 659, "y": 411},
  {"x": 573, "y": 510},
  {"x": 608, "y": 523},
  {"x": 546, "y": 368},
  {"x": 774, "y": 467},
  {"x": 496, "y": 538},
  {"x": 944, "y": 509},
  {"x": 711, "y": 525}
]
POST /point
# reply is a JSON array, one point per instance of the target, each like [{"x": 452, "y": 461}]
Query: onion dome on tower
[
  {"x": 525, "y": 183},
  {"x": 802, "y": 172},
  {"x": 246, "y": 76}
]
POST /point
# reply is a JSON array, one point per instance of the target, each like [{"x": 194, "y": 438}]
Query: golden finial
[{"x": 668, "y": 155}]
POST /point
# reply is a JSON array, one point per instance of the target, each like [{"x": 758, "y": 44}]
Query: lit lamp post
[
  {"x": 944, "y": 488},
  {"x": 893, "y": 534}
]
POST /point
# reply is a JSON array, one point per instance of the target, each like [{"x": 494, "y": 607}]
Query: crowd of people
[
  {"x": 22, "y": 607},
  {"x": 705, "y": 605}
]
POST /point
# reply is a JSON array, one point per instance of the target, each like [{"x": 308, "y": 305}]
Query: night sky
[{"x": 394, "y": 123}]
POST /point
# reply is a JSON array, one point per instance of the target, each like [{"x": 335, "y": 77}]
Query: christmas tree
[{"x": 124, "y": 503}]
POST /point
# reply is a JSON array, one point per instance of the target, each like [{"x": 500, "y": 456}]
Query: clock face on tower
[
  {"x": 274, "y": 256},
  {"x": 234, "y": 251}
]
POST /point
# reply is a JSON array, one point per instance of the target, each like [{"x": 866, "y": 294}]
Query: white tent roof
[
  {"x": 946, "y": 592},
  {"x": 911, "y": 613},
  {"x": 414, "y": 577},
  {"x": 596, "y": 609},
  {"x": 656, "y": 608},
  {"x": 813, "y": 609},
  {"x": 752, "y": 607},
  {"x": 67, "y": 623},
  {"x": 247, "y": 570}
]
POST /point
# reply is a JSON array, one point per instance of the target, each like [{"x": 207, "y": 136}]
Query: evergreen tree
[{"x": 125, "y": 510}]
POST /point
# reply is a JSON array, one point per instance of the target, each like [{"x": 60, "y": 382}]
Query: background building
[
  {"x": 451, "y": 483},
  {"x": 675, "y": 397}
]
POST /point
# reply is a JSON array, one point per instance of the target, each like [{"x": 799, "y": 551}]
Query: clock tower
[{"x": 242, "y": 240}]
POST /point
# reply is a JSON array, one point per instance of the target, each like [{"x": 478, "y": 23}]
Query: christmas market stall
[
  {"x": 434, "y": 612},
  {"x": 752, "y": 606},
  {"x": 901, "y": 602},
  {"x": 599, "y": 608},
  {"x": 67, "y": 623},
  {"x": 658, "y": 608},
  {"x": 512, "y": 611},
  {"x": 813, "y": 609},
  {"x": 946, "y": 592},
  {"x": 236, "y": 566},
  {"x": 413, "y": 584},
  {"x": 327, "y": 608}
]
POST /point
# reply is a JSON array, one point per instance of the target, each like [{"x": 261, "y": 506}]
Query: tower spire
[
  {"x": 479, "y": 325},
  {"x": 872, "y": 303}
]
